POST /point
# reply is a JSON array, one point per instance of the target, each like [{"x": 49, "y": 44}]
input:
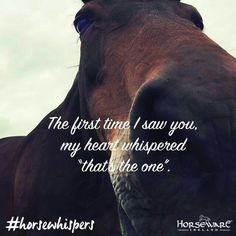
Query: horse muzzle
[{"x": 199, "y": 180}]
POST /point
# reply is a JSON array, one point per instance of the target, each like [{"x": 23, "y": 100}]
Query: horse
[{"x": 139, "y": 59}]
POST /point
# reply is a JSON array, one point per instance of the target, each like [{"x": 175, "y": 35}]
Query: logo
[{"x": 204, "y": 224}]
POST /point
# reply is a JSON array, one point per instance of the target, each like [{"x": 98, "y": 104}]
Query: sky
[{"x": 39, "y": 54}]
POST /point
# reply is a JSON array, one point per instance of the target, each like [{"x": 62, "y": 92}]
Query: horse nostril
[
  {"x": 208, "y": 144},
  {"x": 157, "y": 107}
]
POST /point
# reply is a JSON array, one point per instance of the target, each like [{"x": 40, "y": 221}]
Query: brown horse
[{"x": 146, "y": 59}]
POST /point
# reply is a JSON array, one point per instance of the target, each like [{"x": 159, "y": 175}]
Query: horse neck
[{"x": 73, "y": 106}]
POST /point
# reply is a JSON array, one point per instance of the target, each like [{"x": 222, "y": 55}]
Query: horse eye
[{"x": 82, "y": 24}]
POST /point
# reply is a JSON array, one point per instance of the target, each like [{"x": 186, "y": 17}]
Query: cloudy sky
[{"x": 39, "y": 51}]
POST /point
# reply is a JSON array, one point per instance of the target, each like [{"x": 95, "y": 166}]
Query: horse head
[
  {"x": 151, "y": 60},
  {"x": 140, "y": 61}
]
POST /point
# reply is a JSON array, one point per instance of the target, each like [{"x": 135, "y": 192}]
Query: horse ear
[
  {"x": 191, "y": 13},
  {"x": 86, "y": 1}
]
